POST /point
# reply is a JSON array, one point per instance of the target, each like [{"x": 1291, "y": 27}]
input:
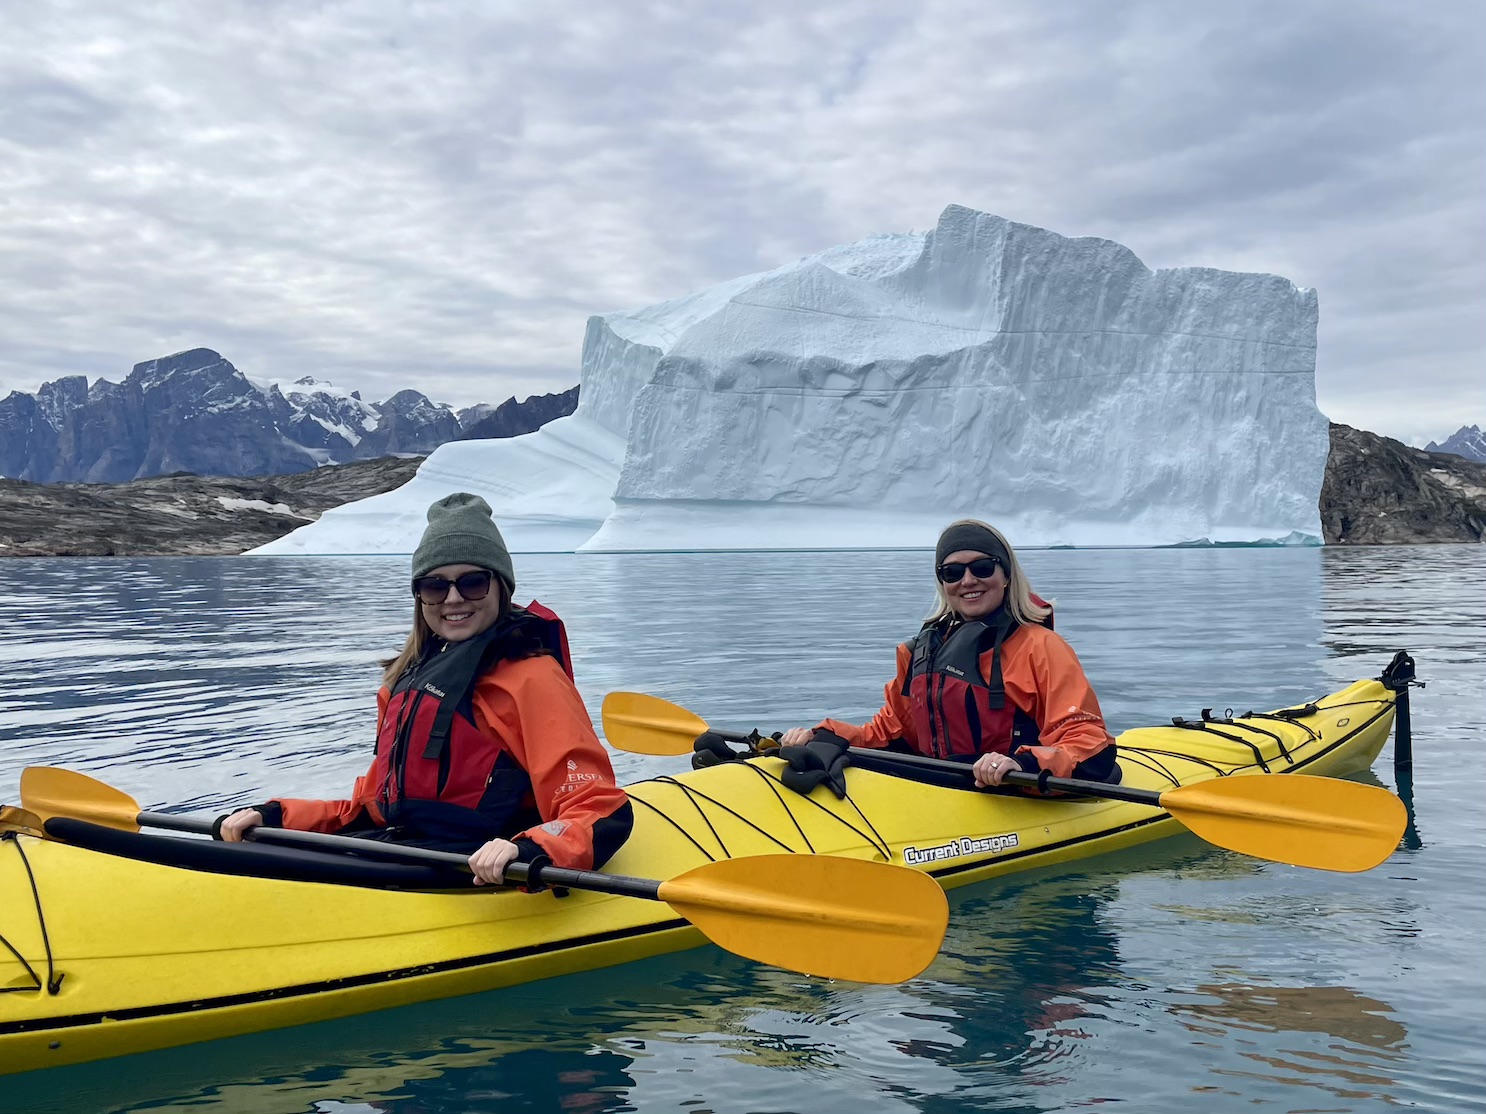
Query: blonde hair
[
  {"x": 1018, "y": 591},
  {"x": 418, "y": 637}
]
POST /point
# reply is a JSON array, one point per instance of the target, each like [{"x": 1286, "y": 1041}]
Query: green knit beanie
[{"x": 461, "y": 532}]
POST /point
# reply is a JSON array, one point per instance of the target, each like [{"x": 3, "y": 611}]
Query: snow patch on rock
[{"x": 232, "y": 504}]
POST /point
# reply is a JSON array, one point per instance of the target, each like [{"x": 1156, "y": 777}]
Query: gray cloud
[{"x": 385, "y": 193}]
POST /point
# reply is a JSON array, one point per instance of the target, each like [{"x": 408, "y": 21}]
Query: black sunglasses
[
  {"x": 435, "y": 589},
  {"x": 952, "y": 572}
]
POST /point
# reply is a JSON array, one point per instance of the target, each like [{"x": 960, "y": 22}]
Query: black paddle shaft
[
  {"x": 886, "y": 761},
  {"x": 867, "y": 758},
  {"x": 539, "y": 874}
]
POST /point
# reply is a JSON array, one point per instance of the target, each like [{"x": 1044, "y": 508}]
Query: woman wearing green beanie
[
  {"x": 483, "y": 743},
  {"x": 985, "y": 681}
]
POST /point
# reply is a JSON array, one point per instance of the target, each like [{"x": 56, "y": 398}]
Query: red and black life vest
[
  {"x": 957, "y": 712},
  {"x": 441, "y": 780}
]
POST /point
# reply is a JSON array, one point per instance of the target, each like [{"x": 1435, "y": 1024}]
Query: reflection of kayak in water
[
  {"x": 110, "y": 955},
  {"x": 1334, "y": 1010},
  {"x": 523, "y": 1041}
]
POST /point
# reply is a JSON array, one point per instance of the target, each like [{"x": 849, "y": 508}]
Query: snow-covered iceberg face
[
  {"x": 868, "y": 395},
  {"x": 987, "y": 369}
]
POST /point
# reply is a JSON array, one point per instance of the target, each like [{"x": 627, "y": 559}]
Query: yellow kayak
[{"x": 102, "y": 954}]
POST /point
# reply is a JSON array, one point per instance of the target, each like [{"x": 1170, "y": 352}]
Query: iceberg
[
  {"x": 550, "y": 491},
  {"x": 864, "y": 396}
]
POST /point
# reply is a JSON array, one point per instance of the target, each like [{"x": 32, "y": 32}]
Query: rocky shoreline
[
  {"x": 1377, "y": 491},
  {"x": 181, "y": 514}
]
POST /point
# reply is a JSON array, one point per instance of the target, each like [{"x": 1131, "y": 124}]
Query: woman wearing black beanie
[
  {"x": 986, "y": 680},
  {"x": 484, "y": 746}
]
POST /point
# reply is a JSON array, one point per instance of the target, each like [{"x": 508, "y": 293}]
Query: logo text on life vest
[{"x": 958, "y": 848}]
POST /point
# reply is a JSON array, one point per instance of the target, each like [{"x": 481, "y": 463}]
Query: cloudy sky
[{"x": 386, "y": 193}]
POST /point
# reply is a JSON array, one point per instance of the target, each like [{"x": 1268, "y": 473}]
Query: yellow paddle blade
[
  {"x": 14, "y": 819},
  {"x": 48, "y": 791},
  {"x": 1319, "y": 822},
  {"x": 644, "y": 724},
  {"x": 818, "y": 914}
]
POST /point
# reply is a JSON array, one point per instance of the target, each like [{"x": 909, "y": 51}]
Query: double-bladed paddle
[
  {"x": 1319, "y": 822},
  {"x": 818, "y": 914}
]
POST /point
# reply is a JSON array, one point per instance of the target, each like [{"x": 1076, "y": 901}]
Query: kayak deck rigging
[{"x": 53, "y": 981}]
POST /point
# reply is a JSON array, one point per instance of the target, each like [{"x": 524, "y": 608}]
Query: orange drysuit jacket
[
  {"x": 1043, "y": 678},
  {"x": 534, "y": 710}
]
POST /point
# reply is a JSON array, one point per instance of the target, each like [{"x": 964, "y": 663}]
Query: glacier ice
[
  {"x": 550, "y": 491},
  {"x": 866, "y": 395}
]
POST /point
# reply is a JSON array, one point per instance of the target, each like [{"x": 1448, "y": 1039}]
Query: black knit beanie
[
  {"x": 461, "y": 532},
  {"x": 974, "y": 537}
]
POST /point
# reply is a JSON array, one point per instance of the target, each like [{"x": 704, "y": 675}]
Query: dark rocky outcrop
[
  {"x": 1378, "y": 491},
  {"x": 183, "y": 513},
  {"x": 512, "y": 418}
]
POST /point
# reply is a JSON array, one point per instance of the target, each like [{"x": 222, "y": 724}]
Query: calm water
[{"x": 1169, "y": 978}]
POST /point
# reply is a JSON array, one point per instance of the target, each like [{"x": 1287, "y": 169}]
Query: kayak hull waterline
[{"x": 145, "y": 956}]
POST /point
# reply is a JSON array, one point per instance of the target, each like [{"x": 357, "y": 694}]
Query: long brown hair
[{"x": 418, "y": 637}]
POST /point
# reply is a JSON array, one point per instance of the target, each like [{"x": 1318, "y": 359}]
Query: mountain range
[
  {"x": 1467, "y": 441},
  {"x": 195, "y": 412}
]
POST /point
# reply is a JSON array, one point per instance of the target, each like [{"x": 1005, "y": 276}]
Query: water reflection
[
  {"x": 460, "y": 1056},
  {"x": 1405, "y": 778},
  {"x": 1331, "y": 1010}
]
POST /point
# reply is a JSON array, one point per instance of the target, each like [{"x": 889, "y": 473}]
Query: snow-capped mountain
[
  {"x": 195, "y": 412},
  {"x": 326, "y": 419},
  {"x": 472, "y": 414},
  {"x": 1467, "y": 441},
  {"x": 866, "y": 395}
]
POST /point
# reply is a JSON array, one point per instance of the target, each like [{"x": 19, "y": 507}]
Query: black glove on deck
[
  {"x": 710, "y": 749},
  {"x": 822, "y": 759}
]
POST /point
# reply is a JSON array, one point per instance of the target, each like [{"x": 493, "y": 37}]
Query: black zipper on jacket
[
  {"x": 935, "y": 701},
  {"x": 384, "y": 792},
  {"x": 397, "y": 754},
  {"x": 445, "y": 761},
  {"x": 400, "y": 748}
]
